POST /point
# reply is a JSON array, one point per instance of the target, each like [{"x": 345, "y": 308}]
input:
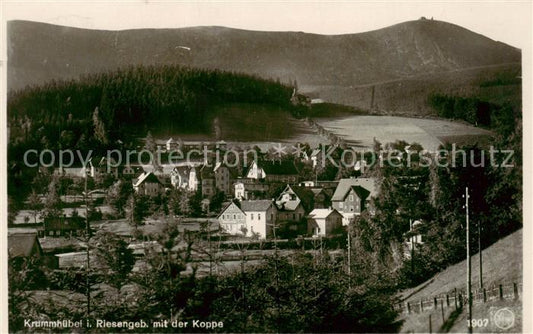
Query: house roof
[
  {"x": 227, "y": 206},
  {"x": 321, "y": 213},
  {"x": 278, "y": 167},
  {"x": 345, "y": 185},
  {"x": 328, "y": 192},
  {"x": 164, "y": 169},
  {"x": 360, "y": 191},
  {"x": 303, "y": 195},
  {"x": 256, "y": 205},
  {"x": 146, "y": 177},
  {"x": 22, "y": 243},
  {"x": 306, "y": 195},
  {"x": 288, "y": 205}
]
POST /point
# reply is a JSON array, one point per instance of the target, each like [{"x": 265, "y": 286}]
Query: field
[
  {"x": 265, "y": 126},
  {"x": 430, "y": 133}
]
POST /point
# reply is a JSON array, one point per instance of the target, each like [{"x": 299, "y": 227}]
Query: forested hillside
[{"x": 99, "y": 109}]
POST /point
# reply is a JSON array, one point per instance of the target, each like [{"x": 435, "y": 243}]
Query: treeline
[
  {"x": 98, "y": 109},
  {"x": 434, "y": 195},
  {"x": 475, "y": 110}
]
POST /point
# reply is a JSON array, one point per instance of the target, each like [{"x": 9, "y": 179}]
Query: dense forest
[
  {"x": 113, "y": 110},
  {"x": 99, "y": 109}
]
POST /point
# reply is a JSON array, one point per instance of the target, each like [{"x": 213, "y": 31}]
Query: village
[{"x": 267, "y": 204}]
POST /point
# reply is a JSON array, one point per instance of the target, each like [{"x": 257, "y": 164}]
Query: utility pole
[
  {"x": 480, "y": 255},
  {"x": 412, "y": 246},
  {"x": 349, "y": 257},
  {"x": 468, "y": 265},
  {"x": 87, "y": 239}
]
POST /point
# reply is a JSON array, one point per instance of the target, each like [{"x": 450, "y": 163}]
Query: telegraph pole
[
  {"x": 349, "y": 242},
  {"x": 468, "y": 265},
  {"x": 480, "y": 255},
  {"x": 87, "y": 238},
  {"x": 412, "y": 246}
]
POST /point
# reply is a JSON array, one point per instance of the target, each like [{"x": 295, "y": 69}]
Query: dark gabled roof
[
  {"x": 306, "y": 195},
  {"x": 146, "y": 177},
  {"x": 22, "y": 244},
  {"x": 328, "y": 192},
  {"x": 278, "y": 167},
  {"x": 256, "y": 205},
  {"x": 346, "y": 184},
  {"x": 360, "y": 191}
]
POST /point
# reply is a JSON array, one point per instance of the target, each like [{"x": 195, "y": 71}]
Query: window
[
  {"x": 293, "y": 216},
  {"x": 351, "y": 198},
  {"x": 341, "y": 205},
  {"x": 234, "y": 217},
  {"x": 252, "y": 217},
  {"x": 258, "y": 216}
]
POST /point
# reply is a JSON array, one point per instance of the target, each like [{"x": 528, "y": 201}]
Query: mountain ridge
[{"x": 40, "y": 52}]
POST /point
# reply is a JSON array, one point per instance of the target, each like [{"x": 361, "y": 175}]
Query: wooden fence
[{"x": 458, "y": 298}]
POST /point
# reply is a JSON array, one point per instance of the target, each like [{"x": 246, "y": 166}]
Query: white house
[
  {"x": 232, "y": 219},
  {"x": 323, "y": 222},
  {"x": 260, "y": 217},
  {"x": 169, "y": 144},
  {"x": 315, "y": 156},
  {"x": 413, "y": 237},
  {"x": 255, "y": 172},
  {"x": 193, "y": 180},
  {"x": 148, "y": 184},
  {"x": 184, "y": 177},
  {"x": 240, "y": 191}
]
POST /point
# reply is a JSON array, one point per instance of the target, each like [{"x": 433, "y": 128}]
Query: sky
[{"x": 505, "y": 21}]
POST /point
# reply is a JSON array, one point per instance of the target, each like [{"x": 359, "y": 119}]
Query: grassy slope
[
  {"x": 502, "y": 263},
  {"x": 410, "y": 96}
]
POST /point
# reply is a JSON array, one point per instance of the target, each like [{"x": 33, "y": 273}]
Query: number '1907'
[{"x": 478, "y": 323}]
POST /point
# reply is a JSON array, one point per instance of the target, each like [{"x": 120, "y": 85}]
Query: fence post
[
  {"x": 501, "y": 291},
  {"x": 515, "y": 290},
  {"x": 484, "y": 295},
  {"x": 408, "y": 308},
  {"x": 421, "y": 306},
  {"x": 442, "y": 309},
  {"x": 430, "y": 323},
  {"x": 435, "y": 303},
  {"x": 455, "y": 297},
  {"x": 460, "y": 301},
  {"x": 447, "y": 301}
]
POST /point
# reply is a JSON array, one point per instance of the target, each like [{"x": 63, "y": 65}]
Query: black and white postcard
[{"x": 265, "y": 167}]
